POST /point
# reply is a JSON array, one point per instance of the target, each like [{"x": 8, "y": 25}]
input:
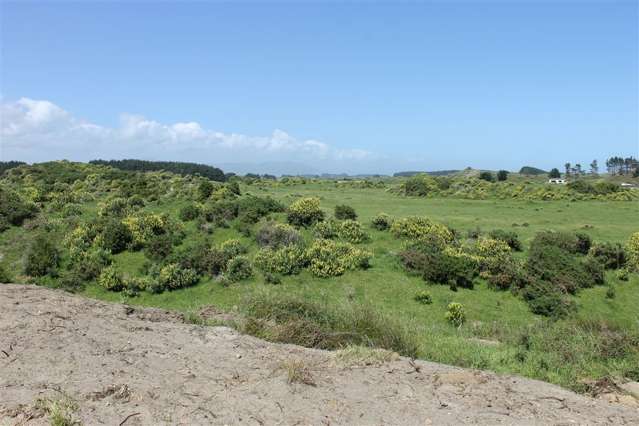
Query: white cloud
[{"x": 38, "y": 130}]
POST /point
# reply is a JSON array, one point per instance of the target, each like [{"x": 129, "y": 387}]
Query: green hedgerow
[{"x": 455, "y": 314}]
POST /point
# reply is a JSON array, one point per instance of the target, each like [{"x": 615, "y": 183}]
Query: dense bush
[
  {"x": 455, "y": 314},
  {"x": 159, "y": 247},
  {"x": 563, "y": 240},
  {"x": 351, "y": 231},
  {"x": 111, "y": 279},
  {"x": 189, "y": 212},
  {"x": 584, "y": 242},
  {"x": 610, "y": 255},
  {"x": 239, "y": 268},
  {"x": 328, "y": 258},
  {"x": 423, "y": 297},
  {"x": 13, "y": 209},
  {"x": 42, "y": 257},
  {"x": 115, "y": 236},
  {"x": 502, "y": 175},
  {"x": 487, "y": 176},
  {"x": 439, "y": 264},
  {"x": 173, "y": 277},
  {"x": 233, "y": 247},
  {"x": 415, "y": 227},
  {"x": 632, "y": 248},
  {"x": 305, "y": 212},
  {"x": 544, "y": 298},
  {"x": 90, "y": 263},
  {"x": 277, "y": 235},
  {"x": 343, "y": 212},
  {"x": 420, "y": 185},
  {"x": 297, "y": 320},
  {"x": 382, "y": 222},
  {"x": 286, "y": 260},
  {"x": 326, "y": 229},
  {"x": 491, "y": 253},
  {"x": 144, "y": 227},
  {"x": 509, "y": 237},
  {"x": 4, "y": 275}
]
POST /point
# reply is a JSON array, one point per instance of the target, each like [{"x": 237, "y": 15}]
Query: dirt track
[{"x": 115, "y": 361}]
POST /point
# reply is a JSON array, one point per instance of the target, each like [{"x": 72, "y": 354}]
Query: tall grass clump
[{"x": 297, "y": 320}]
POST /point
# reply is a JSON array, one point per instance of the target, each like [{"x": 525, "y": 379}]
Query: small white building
[{"x": 557, "y": 181}]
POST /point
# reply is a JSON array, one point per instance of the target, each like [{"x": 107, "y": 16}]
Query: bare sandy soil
[{"x": 113, "y": 364}]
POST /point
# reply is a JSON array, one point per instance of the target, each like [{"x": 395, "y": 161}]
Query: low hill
[
  {"x": 433, "y": 173},
  {"x": 80, "y": 360},
  {"x": 529, "y": 170}
]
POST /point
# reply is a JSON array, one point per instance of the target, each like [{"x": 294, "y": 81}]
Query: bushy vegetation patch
[
  {"x": 14, "y": 209},
  {"x": 415, "y": 227},
  {"x": 343, "y": 212},
  {"x": 382, "y": 222},
  {"x": 276, "y": 235},
  {"x": 632, "y": 248},
  {"x": 287, "y": 260},
  {"x": 509, "y": 237},
  {"x": 351, "y": 231},
  {"x": 610, "y": 255},
  {"x": 327, "y": 258},
  {"x": 42, "y": 257},
  {"x": 305, "y": 212},
  {"x": 292, "y": 319},
  {"x": 239, "y": 268}
]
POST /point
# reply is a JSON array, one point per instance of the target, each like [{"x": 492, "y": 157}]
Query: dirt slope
[{"x": 115, "y": 361}]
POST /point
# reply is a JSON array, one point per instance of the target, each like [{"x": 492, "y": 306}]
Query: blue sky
[{"x": 355, "y": 87}]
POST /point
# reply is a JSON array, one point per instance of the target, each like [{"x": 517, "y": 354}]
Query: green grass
[{"x": 389, "y": 290}]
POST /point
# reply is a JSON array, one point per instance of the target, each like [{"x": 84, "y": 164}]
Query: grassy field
[{"x": 501, "y": 334}]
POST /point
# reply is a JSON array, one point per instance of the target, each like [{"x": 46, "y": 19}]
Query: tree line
[{"x": 177, "y": 167}]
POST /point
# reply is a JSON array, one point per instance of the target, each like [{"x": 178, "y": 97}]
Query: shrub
[
  {"x": 114, "y": 208},
  {"x": 277, "y": 235},
  {"x": 305, "y": 212},
  {"x": 42, "y": 257},
  {"x": 423, "y": 297},
  {"x": 610, "y": 255},
  {"x": 487, "y": 176},
  {"x": 502, "y": 175},
  {"x": 610, "y": 292},
  {"x": 329, "y": 258},
  {"x": 558, "y": 267},
  {"x": 509, "y": 237},
  {"x": 544, "y": 298},
  {"x": 13, "y": 209},
  {"x": 554, "y": 174},
  {"x": 507, "y": 274},
  {"x": 286, "y": 260},
  {"x": 439, "y": 265},
  {"x": 145, "y": 226},
  {"x": 622, "y": 274},
  {"x": 111, "y": 279},
  {"x": 351, "y": 231},
  {"x": 189, "y": 212},
  {"x": 563, "y": 240},
  {"x": 415, "y": 227},
  {"x": 594, "y": 270},
  {"x": 455, "y": 314},
  {"x": 159, "y": 247},
  {"x": 91, "y": 263},
  {"x": 270, "y": 278},
  {"x": 343, "y": 212},
  {"x": 231, "y": 248},
  {"x": 420, "y": 186},
  {"x": 239, "y": 268},
  {"x": 632, "y": 248},
  {"x": 172, "y": 277},
  {"x": 382, "y": 222},
  {"x": 326, "y": 229},
  {"x": 583, "y": 243},
  {"x": 115, "y": 236},
  {"x": 4, "y": 275},
  {"x": 71, "y": 281},
  {"x": 297, "y": 320}
]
